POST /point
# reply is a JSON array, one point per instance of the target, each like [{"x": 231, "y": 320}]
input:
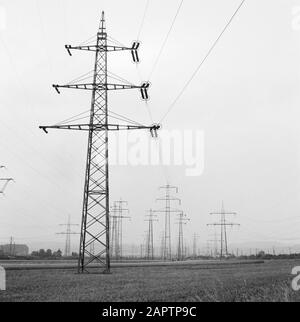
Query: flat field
[{"x": 194, "y": 282}]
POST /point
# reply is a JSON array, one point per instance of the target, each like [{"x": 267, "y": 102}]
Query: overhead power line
[
  {"x": 203, "y": 61},
  {"x": 165, "y": 40},
  {"x": 143, "y": 19}
]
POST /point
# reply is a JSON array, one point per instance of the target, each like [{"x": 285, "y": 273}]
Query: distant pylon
[
  {"x": 12, "y": 247},
  {"x": 223, "y": 224},
  {"x": 167, "y": 248},
  {"x": 116, "y": 217},
  {"x": 195, "y": 245},
  {"x": 142, "y": 251},
  {"x": 182, "y": 220},
  {"x": 149, "y": 241},
  {"x": 113, "y": 218},
  {"x": 68, "y": 234}
]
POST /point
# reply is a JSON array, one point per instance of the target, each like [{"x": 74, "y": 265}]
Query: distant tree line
[
  {"x": 267, "y": 256},
  {"x": 49, "y": 254}
]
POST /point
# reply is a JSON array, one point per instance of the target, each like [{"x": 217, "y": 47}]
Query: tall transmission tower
[
  {"x": 12, "y": 247},
  {"x": 223, "y": 224},
  {"x": 113, "y": 230},
  {"x": 151, "y": 218},
  {"x": 68, "y": 234},
  {"x": 117, "y": 216},
  {"x": 121, "y": 217},
  {"x": 182, "y": 220},
  {"x": 95, "y": 215},
  {"x": 167, "y": 247},
  {"x": 3, "y": 185},
  {"x": 195, "y": 245}
]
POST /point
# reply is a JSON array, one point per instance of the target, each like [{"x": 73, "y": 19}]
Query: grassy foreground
[{"x": 270, "y": 281}]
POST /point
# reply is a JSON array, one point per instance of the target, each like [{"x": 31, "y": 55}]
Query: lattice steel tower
[
  {"x": 223, "y": 224},
  {"x": 116, "y": 218},
  {"x": 195, "y": 245},
  {"x": 95, "y": 214},
  {"x": 167, "y": 246},
  {"x": 149, "y": 238},
  {"x": 68, "y": 234},
  {"x": 182, "y": 220}
]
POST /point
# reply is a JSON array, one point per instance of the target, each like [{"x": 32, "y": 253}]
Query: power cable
[
  {"x": 165, "y": 40},
  {"x": 202, "y": 62}
]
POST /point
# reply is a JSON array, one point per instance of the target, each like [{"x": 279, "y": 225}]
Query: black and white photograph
[{"x": 149, "y": 153}]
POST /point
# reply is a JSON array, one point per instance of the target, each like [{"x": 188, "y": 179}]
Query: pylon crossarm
[
  {"x": 107, "y": 48},
  {"x": 224, "y": 224},
  {"x": 102, "y": 127},
  {"x": 95, "y": 48},
  {"x": 109, "y": 87},
  {"x": 170, "y": 210},
  {"x": 223, "y": 213},
  {"x": 170, "y": 198}
]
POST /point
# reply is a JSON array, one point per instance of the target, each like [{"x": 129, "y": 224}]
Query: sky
[{"x": 244, "y": 102}]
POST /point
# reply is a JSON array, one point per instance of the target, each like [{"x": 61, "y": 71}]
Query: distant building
[{"x": 14, "y": 250}]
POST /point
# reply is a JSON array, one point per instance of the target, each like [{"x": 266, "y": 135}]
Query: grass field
[{"x": 270, "y": 281}]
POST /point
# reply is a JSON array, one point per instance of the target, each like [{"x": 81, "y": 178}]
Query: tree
[
  {"x": 58, "y": 253},
  {"x": 42, "y": 253},
  {"x": 49, "y": 253}
]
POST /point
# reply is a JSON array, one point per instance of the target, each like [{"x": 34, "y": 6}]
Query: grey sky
[{"x": 245, "y": 98}]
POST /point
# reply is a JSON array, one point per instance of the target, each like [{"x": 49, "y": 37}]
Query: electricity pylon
[
  {"x": 4, "y": 182},
  {"x": 117, "y": 217},
  {"x": 113, "y": 224},
  {"x": 12, "y": 247},
  {"x": 162, "y": 244},
  {"x": 68, "y": 234},
  {"x": 195, "y": 245},
  {"x": 149, "y": 241},
  {"x": 182, "y": 220},
  {"x": 223, "y": 224},
  {"x": 167, "y": 247},
  {"x": 95, "y": 215},
  {"x": 121, "y": 216}
]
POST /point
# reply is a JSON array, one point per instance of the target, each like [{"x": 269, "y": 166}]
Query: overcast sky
[{"x": 245, "y": 99}]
